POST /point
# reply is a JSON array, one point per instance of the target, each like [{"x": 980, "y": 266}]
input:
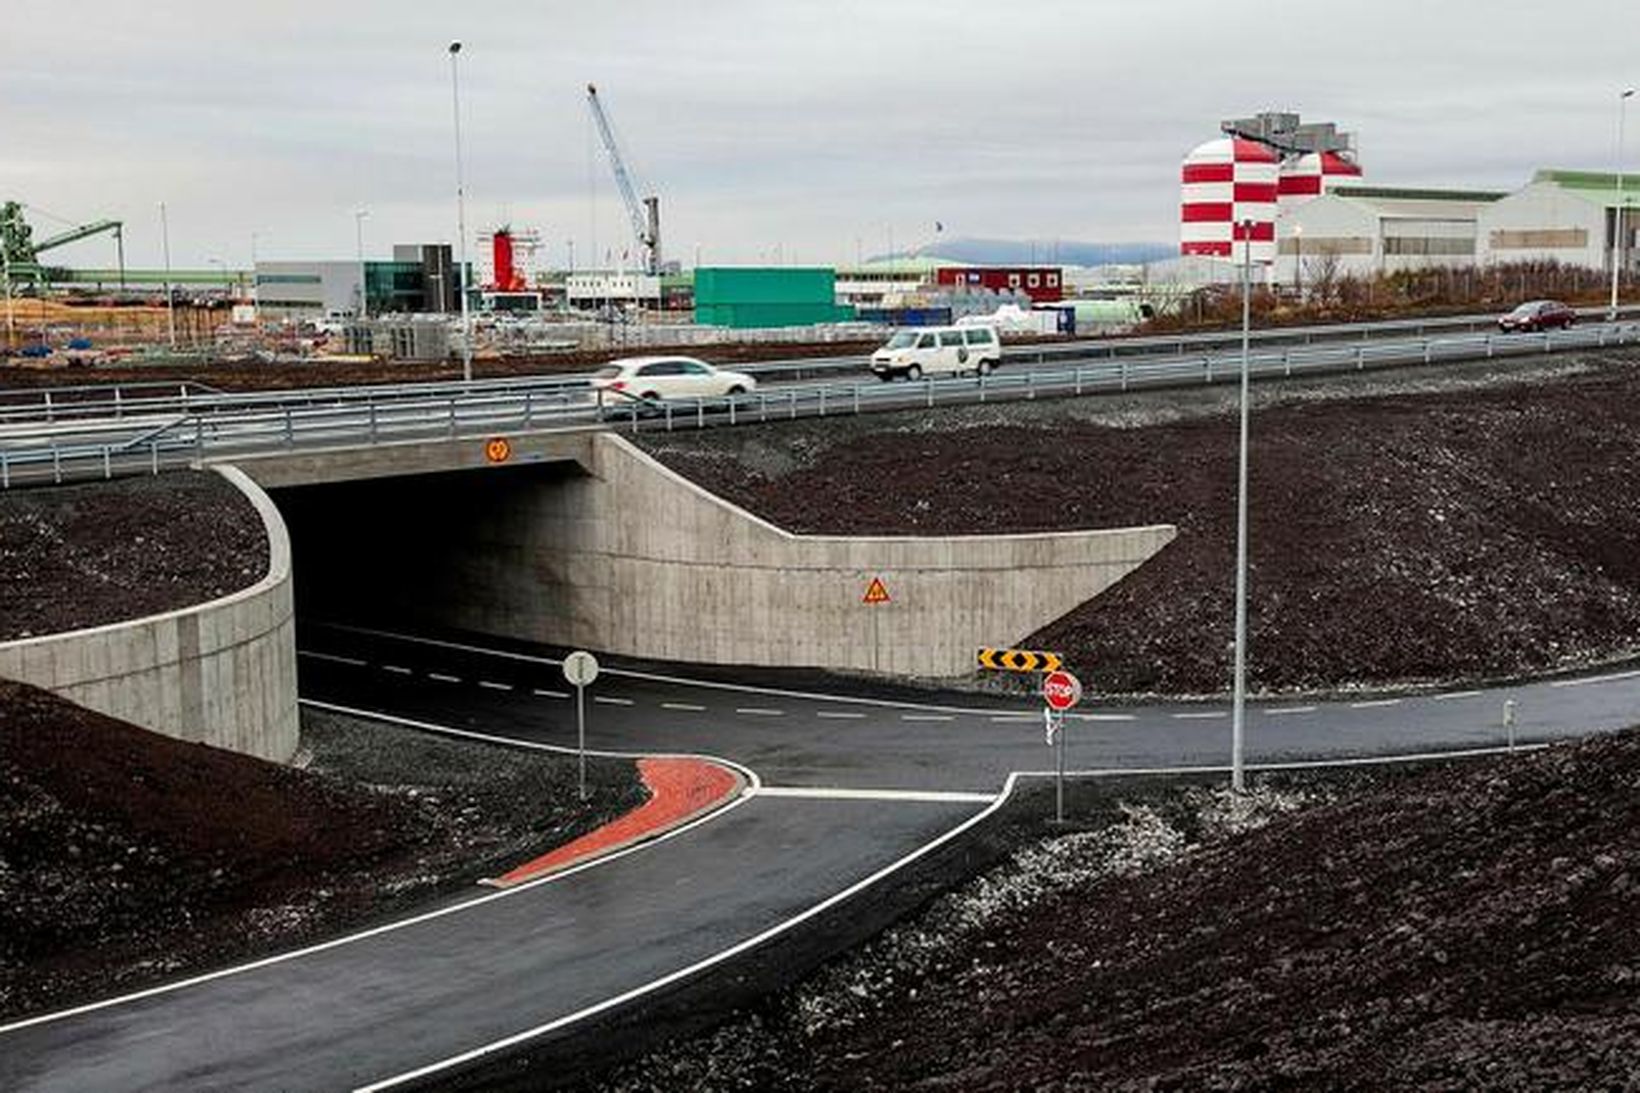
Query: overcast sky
[{"x": 817, "y": 128}]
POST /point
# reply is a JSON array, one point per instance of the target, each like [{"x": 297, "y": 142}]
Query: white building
[
  {"x": 598, "y": 289},
  {"x": 1366, "y": 230},
  {"x": 1562, "y": 216}
]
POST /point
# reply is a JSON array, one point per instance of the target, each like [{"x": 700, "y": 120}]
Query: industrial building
[
  {"x": 1364, "y": 230},
  {"x": 753, "y": 296},
  {"x": 1563, "y": 216},
  {"x": 418, "y": 279}
]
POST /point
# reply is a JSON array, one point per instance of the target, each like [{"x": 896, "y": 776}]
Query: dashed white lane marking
[
  {"x": 354, "y": 661},
  {"x": 495, "y": 686},
  {"x": 544, "y": 693},
  {"x": 1290, "y": 709},
  {"x": 610, "y": 700},
  {"x": 925, "y": 717},
  {"x": 1205, "y": 716},
  {"x": 1450, "y": 695},
  {"x": 1596, "y": 679},
  {"x": 687, "y": 707},
  {"x": 835, "y": 794},
  {"x": 1016, "y": 717},
  {"x": 839, "y": 715},
  {"x": 398, "y": 669},
  {"x": 442, "y": 678},
  {"x": 1104, "y": 717},
  {"x": 759, "y": 711},
  {"x": 1371, "y": 703}
]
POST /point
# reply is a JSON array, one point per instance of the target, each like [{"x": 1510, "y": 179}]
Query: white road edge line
[
  {"x": 1204, "y": 716},
  {"x": 1596, "y": 679},
  {"x": 1450, "y": 695},
  {"x": 1280, "y": 711},
  {"x": 753, "y": 784},
  {"x": 781, "y": 927},
  {"x": 354, "y": 661},
  {"x": 1375, "y": 702},
  {"x": 760, "y": 711},
  {"x": 839, "y": 715},
  {"x": 686, "y": 707},
  {"x": 838, "y": 793}
]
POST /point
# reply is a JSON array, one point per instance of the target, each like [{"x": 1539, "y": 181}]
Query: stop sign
[{"x": 1061, "y": 690}]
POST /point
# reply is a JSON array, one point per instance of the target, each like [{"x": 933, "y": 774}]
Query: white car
[{"x": 660, "y": 379}]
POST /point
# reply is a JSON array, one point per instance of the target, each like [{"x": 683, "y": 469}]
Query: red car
[{"x": 1537, "y": 315}]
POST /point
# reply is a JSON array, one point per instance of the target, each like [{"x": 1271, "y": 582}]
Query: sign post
[
  {"x": 876, "y": 595},
  {"x": 581, "y": 668},
  {"x": 1061, "y": 691}
]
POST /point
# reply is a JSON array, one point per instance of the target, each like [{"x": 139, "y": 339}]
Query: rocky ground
[
  {"x": 1467, "y": 521},
  {"x": 1466, "y": 926},
  {"x": 85, "y": 555},
  {"x": 129, "y": 858}
]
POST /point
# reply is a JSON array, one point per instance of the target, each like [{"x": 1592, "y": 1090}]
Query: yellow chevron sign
[{"x": 1019, "y": 660}]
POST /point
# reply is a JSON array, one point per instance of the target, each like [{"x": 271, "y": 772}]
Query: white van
[{"x": 938, "y": 351}]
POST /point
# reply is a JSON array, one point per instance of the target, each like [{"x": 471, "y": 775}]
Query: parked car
[
  {"x": 938, "y": 350},
  {"x": 1537, "y": 315},
  {"x": 659, "y": 379}
]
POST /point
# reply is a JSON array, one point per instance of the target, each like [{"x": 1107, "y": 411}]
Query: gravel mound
[
  {"x": 102, "y": 552},
  {"x": 1461, "y": 927}
]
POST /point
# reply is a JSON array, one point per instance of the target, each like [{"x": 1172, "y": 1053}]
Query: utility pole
[
  {"x": 358, "y": 239},
  {"x": 170, "y": 295},
  {"x": 1617, "y": 211},
  {"x": 461, "y": 226},
  {"x": 5, "y": 271},
  {"x": 1239, "y": 703}
]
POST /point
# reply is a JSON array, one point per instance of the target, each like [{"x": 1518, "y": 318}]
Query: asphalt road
[{"x": 843, "y": 787}]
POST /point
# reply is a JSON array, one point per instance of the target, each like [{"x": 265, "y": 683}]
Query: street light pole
[
  {"x": 358, "y": 238},
  {"x": 1617, "y": 212},
  {"x": 461, "y": 225},
  {"x": 170, "y": 294},
  {"x": 5, "y": 271},
  {"x": 1238, "y": 707}
]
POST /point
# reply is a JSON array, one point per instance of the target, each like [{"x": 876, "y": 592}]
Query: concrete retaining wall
[
  {"x": 635, "y": 559},
  {"x": 222, "y": 673}
]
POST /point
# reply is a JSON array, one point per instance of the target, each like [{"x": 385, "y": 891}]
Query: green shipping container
[{"x": 751, "y": 296}]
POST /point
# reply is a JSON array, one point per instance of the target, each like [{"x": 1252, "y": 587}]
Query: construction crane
[{"x": 646, "y": 220}]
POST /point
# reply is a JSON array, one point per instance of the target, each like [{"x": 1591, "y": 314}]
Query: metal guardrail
[
  {"x": 189, "y": 438},
  {"x": 67, "y": 405}
]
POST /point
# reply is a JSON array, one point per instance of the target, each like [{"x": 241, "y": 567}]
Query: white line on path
[
  {"x": 398, "y": 669},
  {"x": 837, "y": 794},
  {"x": 610, "y": 700},
  {"x": 1015, "y": 717},
  {"x": 1375, "y": 702},
  {"x": 687, "y": 707},
  {"x": 1596, "y": 679},
  {"x": 1290, "y": 709},
  {"x": 760, "y": 711},
  {"x": 355, "y": 661},
  {"x": 925, "y": 717},
  {"x": 550, "y": 694},
  {"x": 839, "y": 715},
  {"x": 1455, "y": 694},
  {"x": 495, "y": 686},
  {"x": 1206, "y": 716},
  {"x": 442, "y": 678},
  {"x": 1106, "y": 716}
]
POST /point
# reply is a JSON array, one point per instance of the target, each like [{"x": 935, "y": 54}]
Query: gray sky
[{"x": 761, "y": 123}]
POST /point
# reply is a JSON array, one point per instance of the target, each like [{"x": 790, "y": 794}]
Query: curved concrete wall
[
  {"x": 221, "y": 673},
  {"x": 635, "y": 559}
]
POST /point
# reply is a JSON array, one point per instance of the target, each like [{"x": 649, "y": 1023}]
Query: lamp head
[
  {"x": 455, "y": 47},
  {"x": 1628, "y": 93}
]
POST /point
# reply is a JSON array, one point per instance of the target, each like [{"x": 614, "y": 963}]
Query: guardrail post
[
  {"x": 117, "y": 407},
  {"x": 1360, "y": 357},
  {"x": 822, "y": 400},
  {"x": 529, "y": 408},
  {"x": 49, "y": 416},
  {"x": 5, "y": 472},
  {"x": 762, "y": 406},
  {"x": 1030, "y": 384},
  {"x": 857, "y": 398},
  {"x": 981, "y": 378},
  {"x": 56, "y": 464},
  {"x": 1429, "y": 350},
  {"x": 452, "y": 415},
  {"x": 1078, "y": 375},
  {"x": 700, "y": 413},
  {"x": 153, "y": 457},
  {"x": 372, "y": 421},
  {"x": 108, "y": 463},
  {"x": 1207, "y": 367},
  {"x": 928, "y": 392},
  {"x": 733, "y": 402},
  {"x": 794, "y": 403},
  {"x": 1489, "y": 347},
  {"x": 1124, "y": 375},
  {"x": 666, "y": 409}
]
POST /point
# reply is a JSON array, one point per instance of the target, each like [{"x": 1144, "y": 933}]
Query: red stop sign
[{"x": 1061, "y": 690}]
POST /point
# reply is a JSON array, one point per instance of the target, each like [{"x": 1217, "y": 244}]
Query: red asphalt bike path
[{"x": 679, "y": 790}]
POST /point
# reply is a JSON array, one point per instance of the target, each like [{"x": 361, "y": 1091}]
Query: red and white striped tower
[
  {"x": 1312, "y": 175},
  {"x": 1226, "y": 182}
]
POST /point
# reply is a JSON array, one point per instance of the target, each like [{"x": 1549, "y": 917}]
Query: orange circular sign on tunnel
[{"x": 498, "y": 449}]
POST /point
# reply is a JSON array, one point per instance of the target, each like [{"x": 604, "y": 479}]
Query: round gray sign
[{"x": 580, "y": 668}]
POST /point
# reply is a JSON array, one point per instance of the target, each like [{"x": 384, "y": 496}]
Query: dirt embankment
[
  {"x": 102, "y": 552},
  {"x": 1466, "y": 927},
  {"x": 130, "y": 858},
  {"x": 1464, "y": 522}
]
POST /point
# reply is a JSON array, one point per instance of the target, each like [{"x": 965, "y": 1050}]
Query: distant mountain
[{"x": 1014, "y": 252}]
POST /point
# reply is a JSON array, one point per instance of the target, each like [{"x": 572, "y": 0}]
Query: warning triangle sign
[{"x": 876, "y": 592}]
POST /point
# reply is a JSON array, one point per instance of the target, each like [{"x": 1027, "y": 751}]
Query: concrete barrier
[
  {"x": 222, "y": 673},
  {"x": 637, "y": 560}
]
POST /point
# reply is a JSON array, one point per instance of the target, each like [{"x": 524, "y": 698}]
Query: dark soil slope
[
  {"x": 86, "y": 555},
  {"x": 129, "y": 857},
  {"x": 1479, "y": 525},
  {"x": 1468, "y": 927}
]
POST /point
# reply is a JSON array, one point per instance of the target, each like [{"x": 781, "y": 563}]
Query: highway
[
  {"x": 843, "y": 788},
  {"x": 62, "y": 449}
]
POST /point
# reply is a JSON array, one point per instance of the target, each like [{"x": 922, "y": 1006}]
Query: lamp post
[
  {"x": 253, "y": 269},
  {"x": 461, "y": 225},
  {"x": 170, "y": 294},
  {"x": 358, "y": 239},
  {"x": 222, "y": 267},
  {"x": 1239, "y": 702},
  {"x": 1617, "y": 212},
  {"x": 5, "y": 272}
]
